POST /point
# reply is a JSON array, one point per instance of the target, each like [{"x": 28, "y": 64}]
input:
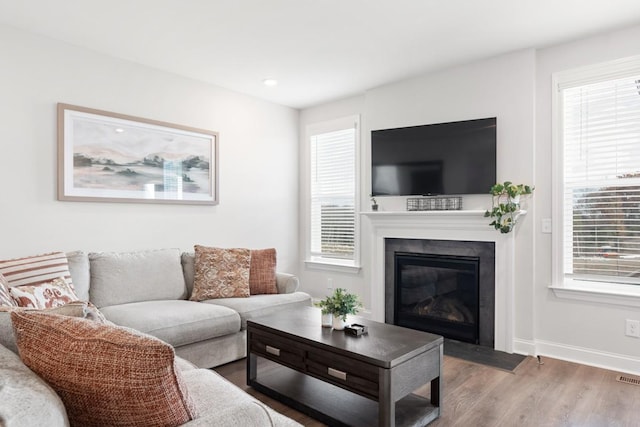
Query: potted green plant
[
  {"x": 505, "y": 204},
  {"x": 374, "y": 203},
  {"x": 340, "y": 304}
]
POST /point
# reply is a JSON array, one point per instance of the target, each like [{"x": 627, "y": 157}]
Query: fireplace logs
[{"x": 444, "y": 307}]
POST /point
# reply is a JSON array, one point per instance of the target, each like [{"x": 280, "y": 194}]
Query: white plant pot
[
  {"x": 327, "y": 320},
  {"x": 338, "y": 323}
]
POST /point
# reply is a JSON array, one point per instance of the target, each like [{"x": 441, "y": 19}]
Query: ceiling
[{"x": 318, "y": 50}]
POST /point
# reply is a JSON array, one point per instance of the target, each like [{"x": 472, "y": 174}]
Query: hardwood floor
[{"x": 556, "y": 393}]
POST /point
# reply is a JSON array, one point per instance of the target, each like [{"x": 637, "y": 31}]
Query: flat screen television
[{"x": 453, "y": 158}]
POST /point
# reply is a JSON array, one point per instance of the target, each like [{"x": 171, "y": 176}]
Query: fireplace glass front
[{"x": 438, "y": 294}]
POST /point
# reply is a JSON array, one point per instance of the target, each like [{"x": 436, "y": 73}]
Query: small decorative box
[{"x": 355, "y": 330}]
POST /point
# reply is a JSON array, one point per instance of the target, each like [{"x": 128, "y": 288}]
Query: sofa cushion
[
  {"x": 5, "y": 297},
  {"x": 244, "y": 414},
  {"x": 25, "y": 399},
  {"x": 79, "y": 269},
  {"x": 43, "y": 295},
  {"x": 262, "y": 305},
  {"x": 262, "y": 275},
  {"x": 221, "y": 273},
  {"x": 184, "y": 364},
  {"x": 177, "y": 322},
  {"x": 36, "y": 269},
  {"x": 105, "y": 375},
  {"x": 221, "y": 403},
  {"x": 188, "y": 269},
  {"x": 124, "y": 277},
  {"x": 81, "y": 309},
  {"x": 287, "y": 283}
]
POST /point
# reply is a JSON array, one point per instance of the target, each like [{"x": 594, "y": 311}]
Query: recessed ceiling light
[
  {"x": 119, "y": 130},
  {"x": 270, "y": 82}
]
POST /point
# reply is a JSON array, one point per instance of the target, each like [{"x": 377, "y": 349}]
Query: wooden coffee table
[{"x": 346, "y": 380}]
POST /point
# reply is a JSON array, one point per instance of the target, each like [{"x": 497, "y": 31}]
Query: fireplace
[
  {"x": 442, "y": 226},
  {"x": 438, "y": 294},
  {"x": 446, "y": 287}
]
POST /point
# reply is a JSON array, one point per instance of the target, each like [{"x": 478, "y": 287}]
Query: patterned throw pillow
[
  {"x": 44, "y": 295},
  {"x": 5, "y": 297},
  {"x": 262, "y": 277},
  {"x": 81, "y": 309},
  {"x": 220, "y": 273},
  {"x": 105, "y": 375},
  {"x": 36, "y": 269}
]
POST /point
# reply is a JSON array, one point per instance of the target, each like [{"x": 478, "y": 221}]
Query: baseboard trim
[
  {"x": 582, "y": 355},
  {"x": 524, "y": 347},
  {"x": 588, "y": 356}
]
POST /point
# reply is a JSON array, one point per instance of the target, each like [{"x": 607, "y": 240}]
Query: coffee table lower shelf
[{"x": 318, "y": 399}]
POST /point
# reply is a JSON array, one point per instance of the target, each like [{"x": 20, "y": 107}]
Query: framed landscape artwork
[{"x": 105, "y": 156}]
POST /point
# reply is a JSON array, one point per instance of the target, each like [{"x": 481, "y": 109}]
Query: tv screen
[{"x": 445, "y": 158}]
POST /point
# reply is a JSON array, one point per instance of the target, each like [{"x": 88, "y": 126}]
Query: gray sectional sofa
[
  {"x": 27, "y": 401},
  {"x": 148, "y": 291}
]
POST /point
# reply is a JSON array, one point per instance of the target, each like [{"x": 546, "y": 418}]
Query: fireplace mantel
[{"x": 469, "y": 225}]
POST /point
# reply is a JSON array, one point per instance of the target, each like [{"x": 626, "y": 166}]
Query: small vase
[
  {"x": 374, "y": 207},
  {"x": 327, "y": 320},
  {"x": 338, "y": 323}
]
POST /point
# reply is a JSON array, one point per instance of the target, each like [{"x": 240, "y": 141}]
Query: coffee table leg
[
  {"x": 435, "y": 392},
  {"x": 251, "y": 367},
  {"x": 386, "y": 402},
  {"x": 436, "y": 384}
]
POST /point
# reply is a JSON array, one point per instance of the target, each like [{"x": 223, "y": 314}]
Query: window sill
[
  {"x": 342, "y": 266},
  {"x": 610, "y": 293}
]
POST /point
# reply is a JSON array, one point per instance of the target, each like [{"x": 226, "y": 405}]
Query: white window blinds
[
  {"x": 333, "y": 189},
  {"x": 601, "y": 206}
]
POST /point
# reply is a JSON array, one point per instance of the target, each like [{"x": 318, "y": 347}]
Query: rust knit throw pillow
[
  {"x": 262, "y": 277},
  {"x": 105, "y": 375},
  {"x": 220, "y": 273}
]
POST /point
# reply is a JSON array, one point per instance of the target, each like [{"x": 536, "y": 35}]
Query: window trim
[
  {"x": 327, "y": 263},
  {"x": 600, "y": 292}
]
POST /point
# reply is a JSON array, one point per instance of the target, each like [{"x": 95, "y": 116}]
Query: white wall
[
  {"x": 501, "y": 87},
  {"x": 258, "y": 157},
  {"x": 576, "y": 330},
  {"x": 516, "y": 88}
]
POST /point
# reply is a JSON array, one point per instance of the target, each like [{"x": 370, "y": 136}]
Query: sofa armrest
[
  {"x": 286, "y": 283},
  {"x": 25, "y": 398}
]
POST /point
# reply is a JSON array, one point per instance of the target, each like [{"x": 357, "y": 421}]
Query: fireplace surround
[
  {"x": 446, "y": 287},
  {"x": 463, "y": 225}
]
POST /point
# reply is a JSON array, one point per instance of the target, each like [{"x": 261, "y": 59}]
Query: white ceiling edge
[{"x": 318, "y": 51}]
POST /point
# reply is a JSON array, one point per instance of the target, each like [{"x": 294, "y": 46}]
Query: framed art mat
[{"x": 110, "y": 157}]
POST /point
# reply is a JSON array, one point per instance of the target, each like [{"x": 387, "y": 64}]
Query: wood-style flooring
[{"x": 556, "y": 393}]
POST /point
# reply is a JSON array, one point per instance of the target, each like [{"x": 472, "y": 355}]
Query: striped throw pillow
[
  {"x": 5, "y": 297},
  {"x": 35, "y": 270}
]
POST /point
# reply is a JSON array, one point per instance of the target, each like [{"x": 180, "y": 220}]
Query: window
[
  {"x": 598, "y": 193},
  {"x": 333, "y": 183}
]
